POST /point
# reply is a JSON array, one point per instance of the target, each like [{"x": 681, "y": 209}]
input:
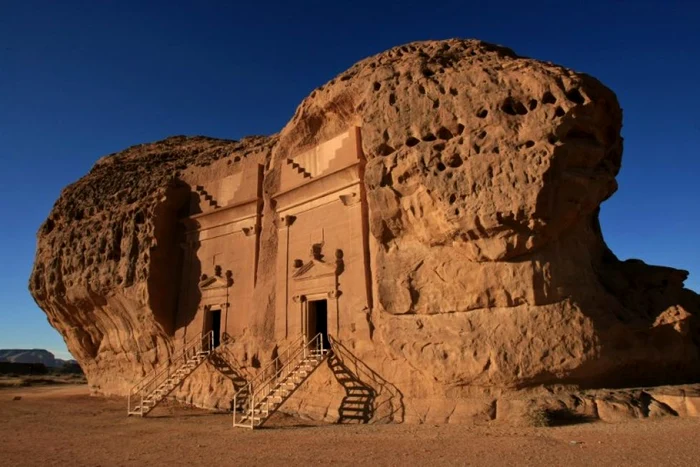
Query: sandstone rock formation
[
  {"x": 489, "y": 274},
  {"x": 32, "y": 356}
]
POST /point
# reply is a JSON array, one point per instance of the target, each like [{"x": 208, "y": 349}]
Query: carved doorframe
[{"x": 331, "y": 298}]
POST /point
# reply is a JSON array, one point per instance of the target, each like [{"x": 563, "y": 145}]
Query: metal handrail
[
  {"x": 261, "y": 374},
  {"x": 278, "y": 374},
  {"x": 263, "y": 390},
  {"x": 182, "y": 355},
  {"x": 142, "y": 388}
]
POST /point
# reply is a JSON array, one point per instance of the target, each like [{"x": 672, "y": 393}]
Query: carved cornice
[
  {"x": 214, "y": 282},
  {"x": 315, "y": 269}
]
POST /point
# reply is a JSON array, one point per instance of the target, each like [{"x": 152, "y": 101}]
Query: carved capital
[
  {"x": 334, "y": 293},
  {"x": 286, "y": 221},
  {"x": 350, "y": 199},
  {"x": 299, "y": 298},
  {"x": 250, "y": 230}
]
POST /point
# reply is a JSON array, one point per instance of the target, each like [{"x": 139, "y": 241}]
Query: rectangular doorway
[
  {"x": 318, "y": 320},
  {"x": 215, "y": 326}
]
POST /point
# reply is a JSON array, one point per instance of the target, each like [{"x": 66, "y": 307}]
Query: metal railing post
[{"x": 252, "y": 410}]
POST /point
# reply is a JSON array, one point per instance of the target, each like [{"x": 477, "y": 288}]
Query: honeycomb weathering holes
[
  {"x": 574, "y": 95},
  {"x": 512, "y": 106},
  {"x": 444, "y": 134},
  {"x": 548, "y": 98}
]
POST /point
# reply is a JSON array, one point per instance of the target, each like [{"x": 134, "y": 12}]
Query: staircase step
[{"x": 297, "y": 371}]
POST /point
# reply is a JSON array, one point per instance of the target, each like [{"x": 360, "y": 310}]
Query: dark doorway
[
  {"x": 318, "y": 320},
  {"x": 215, "y": 326}
]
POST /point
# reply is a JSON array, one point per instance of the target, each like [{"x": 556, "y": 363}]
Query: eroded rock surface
[
  {"x": 485, "y": 173},
  {"x": 107, "y": 261}
]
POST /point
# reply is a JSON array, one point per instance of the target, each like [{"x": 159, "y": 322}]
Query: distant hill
[{"x": 32, "y": 356}]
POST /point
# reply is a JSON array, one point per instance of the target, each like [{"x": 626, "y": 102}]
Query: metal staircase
[
  {"x": 153, "y": 389},
  {"x": 274, "y": 384}
]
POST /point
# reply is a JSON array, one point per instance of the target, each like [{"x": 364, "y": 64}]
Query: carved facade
[
  {"x": 322, "y": 265},
  {"x": 221, "y": 248}
]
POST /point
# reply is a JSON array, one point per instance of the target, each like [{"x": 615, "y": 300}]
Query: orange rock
[{"x": 441, "y": 198}]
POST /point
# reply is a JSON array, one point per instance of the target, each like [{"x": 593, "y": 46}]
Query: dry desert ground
[{"x": 63, "y": 425}]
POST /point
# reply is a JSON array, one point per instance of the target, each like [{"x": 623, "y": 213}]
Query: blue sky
[{"x": 79, "y": 80}]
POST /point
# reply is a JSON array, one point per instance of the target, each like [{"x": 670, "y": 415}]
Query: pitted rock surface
[{"x": 485, "y": 174}]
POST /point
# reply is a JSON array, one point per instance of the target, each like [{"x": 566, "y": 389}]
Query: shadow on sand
[{"x": 368, "y": 396}]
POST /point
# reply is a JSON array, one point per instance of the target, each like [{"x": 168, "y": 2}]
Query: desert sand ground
[{"x": 63, "y": 425}]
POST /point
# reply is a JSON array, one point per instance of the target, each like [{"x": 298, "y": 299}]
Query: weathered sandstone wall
[{"x": 485, "y": 174}]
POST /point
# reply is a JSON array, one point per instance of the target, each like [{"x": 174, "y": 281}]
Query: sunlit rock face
[{"x": 441, "y": 197}]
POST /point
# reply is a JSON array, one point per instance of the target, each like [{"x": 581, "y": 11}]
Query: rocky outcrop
[
  {"x": 490, "y": 274},
  {"x": 107, "y": 261},
  {"x": 485, "y": 178},
  {"x": 32, "y": 356}
]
